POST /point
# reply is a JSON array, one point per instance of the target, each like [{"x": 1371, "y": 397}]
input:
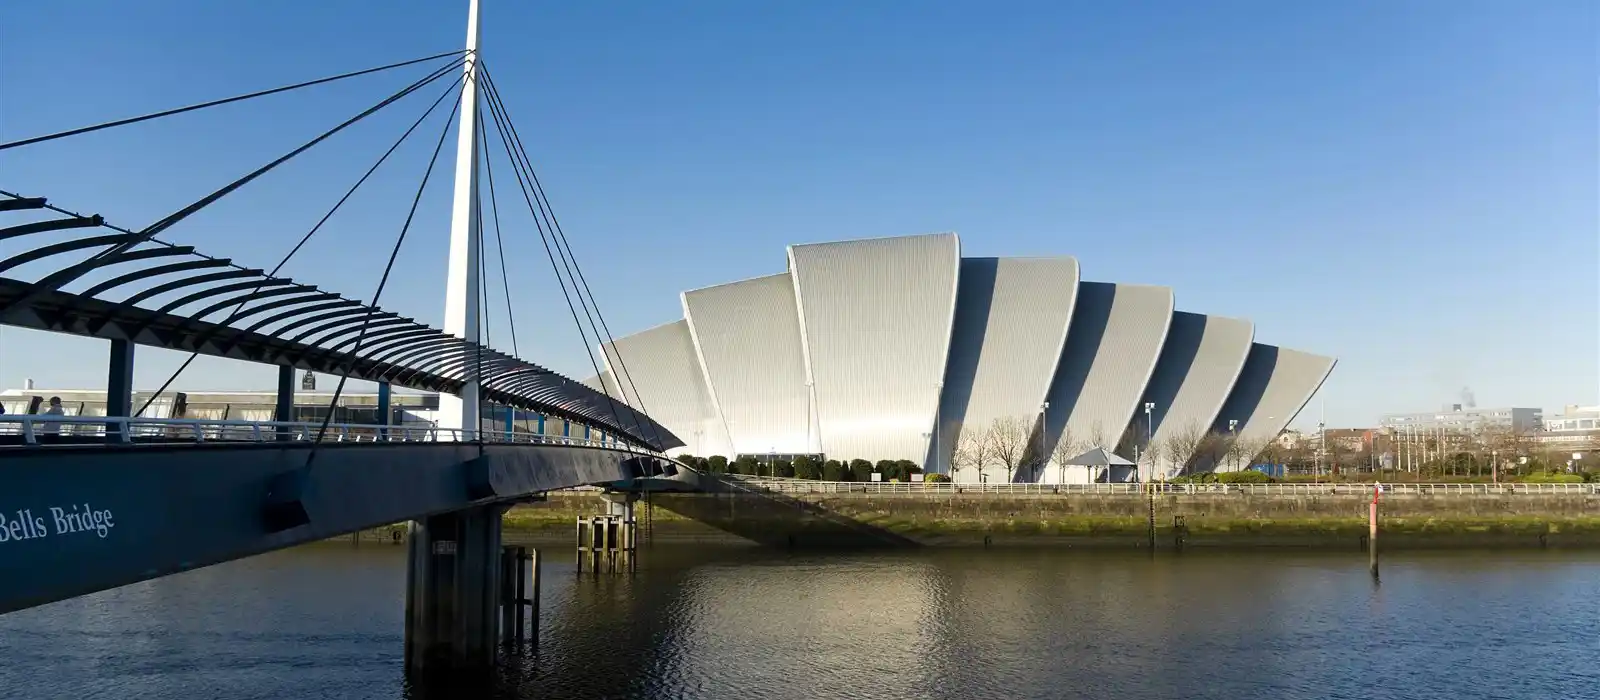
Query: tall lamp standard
[
  {"x": 938, "y": 401},
  {"x": 1322, "y": 446},
  {"x": 1233, "y": 424},
  {"x": 1149, "y": 434},
  {"x": 1044, "y": 443}
]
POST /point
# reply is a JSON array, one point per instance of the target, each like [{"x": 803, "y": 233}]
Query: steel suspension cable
[
  {"x": 609, "y": 349},
  {"x": 484, "y": 334},
  {"x": 494, "y": 208},
  {"x": 227, "y": 100},
  {"x": 383, "y": 281},
  {"x": 307, "y": 238},
  {"x": 527, "y": 197},
  {"x": 499, "y": 243},
  {"x": 156, "y": 228},
  {"x": 569, "y": 259}
]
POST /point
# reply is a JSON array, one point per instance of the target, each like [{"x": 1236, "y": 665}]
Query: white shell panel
[
  {"x": 748, "y": 337},
  {"x": 663, "y": 380},
  {"x": 1011, "y": 321},
  {"x": 875, "y": 322},
  {"x": 1116, "y": 335},
  {"x": 1199, "y": 363},
  {"x": 1272, "y": 388}
]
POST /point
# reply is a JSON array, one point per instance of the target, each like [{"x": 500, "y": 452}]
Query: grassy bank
[{"x": 1090, "y": 520}]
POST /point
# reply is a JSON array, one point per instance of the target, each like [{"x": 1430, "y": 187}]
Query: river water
[{"x": 326, "y": 622}]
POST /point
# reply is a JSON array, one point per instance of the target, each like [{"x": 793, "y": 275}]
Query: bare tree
[
  {"x": 1248, "y": 450},
  {"x": 1008, "y": 442},
  {"x": 1233, "y": 449},
  {"x": 1154, "y": 452},
  {"x": 1064, "y": 450},
  {"x": 1184, "y": 443},
  {"x": 972, "y": 450},
  {"x": 1097, "y": 435}
]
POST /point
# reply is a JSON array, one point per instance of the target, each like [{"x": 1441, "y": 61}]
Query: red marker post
[{"x": 1372, "y": 530}]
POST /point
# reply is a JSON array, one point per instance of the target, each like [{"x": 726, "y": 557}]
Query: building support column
[
  {"x": 453, "y": 591},
  {"x": 283, "y": 409},
  {"x": 119, "y": 389}
]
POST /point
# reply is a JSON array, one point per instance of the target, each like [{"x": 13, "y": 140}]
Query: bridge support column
[
  {"x": 453, "y": 591},
  {"x": 385, "y": 411},
  {"x": 620, "y": 505},
  {"x": 283, "y": 409},
  {"x": 119, "y": 387}
]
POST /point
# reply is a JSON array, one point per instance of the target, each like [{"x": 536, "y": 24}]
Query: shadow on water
[{"x": 611, "y": 634}]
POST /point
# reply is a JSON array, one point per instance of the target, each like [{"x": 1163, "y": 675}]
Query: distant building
[
  {"x": 1574, "y": 425},
  {"x": 1458, "y": 419}
]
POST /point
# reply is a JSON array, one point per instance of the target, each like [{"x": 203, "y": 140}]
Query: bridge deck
[{"x": 79, "y": 519}]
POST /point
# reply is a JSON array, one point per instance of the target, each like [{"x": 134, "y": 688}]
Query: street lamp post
[
  {"x": 1322, "y": 447},
  {"x": 1232, "y": 425},
  {"x": 1044, "y": 432},
  {"x": 938, "y": 401},
  {"x": 1149, "y": 434}
]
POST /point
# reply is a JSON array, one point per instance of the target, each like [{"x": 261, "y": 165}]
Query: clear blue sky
[{"x": 1409, "y": 186}]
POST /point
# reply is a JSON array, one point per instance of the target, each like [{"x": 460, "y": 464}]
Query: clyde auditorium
[{"x": 892, "y": 348}]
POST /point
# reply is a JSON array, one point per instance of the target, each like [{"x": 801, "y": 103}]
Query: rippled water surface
[{"x": 325, "y": 622}]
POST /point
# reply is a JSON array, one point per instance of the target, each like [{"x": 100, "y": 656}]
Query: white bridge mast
[{"x": 461, "y": 288}]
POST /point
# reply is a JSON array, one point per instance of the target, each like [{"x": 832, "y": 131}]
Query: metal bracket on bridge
[{"x": 285, "y": 508}]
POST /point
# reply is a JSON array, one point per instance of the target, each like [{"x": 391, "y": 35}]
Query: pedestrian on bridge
[{"x": 52, "y": 428}]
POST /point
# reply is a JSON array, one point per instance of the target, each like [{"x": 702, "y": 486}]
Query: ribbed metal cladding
[
  {"x": 1116, "y": 335},
  {"x": 663, "y": 380},
  {"x": 1198, "y": 365},
  {"x": 875, "y": 321},
  {"x": 747, "y": 335},
  {"x": 1274, "y": 385},
  {"x": 1012, "y": 316}
]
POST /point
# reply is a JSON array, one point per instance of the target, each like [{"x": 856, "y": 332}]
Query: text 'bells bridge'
[{"x": 92, "y": 503}]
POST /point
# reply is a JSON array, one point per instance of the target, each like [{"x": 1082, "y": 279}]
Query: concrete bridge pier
[
  {"x": 620, "y": 504},
  {"x": 453, "y": 591}
]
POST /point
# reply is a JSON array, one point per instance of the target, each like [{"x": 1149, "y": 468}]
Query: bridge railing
[
  {"x": 51, "y": 431},
  {"x": 798, "y": 486}
]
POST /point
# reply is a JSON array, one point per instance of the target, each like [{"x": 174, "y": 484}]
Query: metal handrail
[
  {"x": 124, "y": 430},
  {"x": 791, "y": 486}
]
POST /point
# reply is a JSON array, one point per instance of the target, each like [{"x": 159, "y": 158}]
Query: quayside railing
[{"x": 802, "y": 486}]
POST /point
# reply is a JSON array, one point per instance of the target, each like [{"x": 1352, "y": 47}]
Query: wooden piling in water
[
  {"x": 519, "y": 594},
  {"x": 606, "y": 541},
  {"x": 1372, "y": 532}
]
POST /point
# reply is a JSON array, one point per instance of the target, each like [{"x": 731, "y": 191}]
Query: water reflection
[{"x": 740, "y": 623}]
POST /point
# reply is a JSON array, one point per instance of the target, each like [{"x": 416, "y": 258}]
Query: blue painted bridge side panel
[{"x": 79, "y": 521}]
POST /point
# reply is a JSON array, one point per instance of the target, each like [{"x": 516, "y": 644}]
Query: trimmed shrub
[
  {"x": 1553, "y": 478},
  {"x": 908, "y": 470},
  {"x": 1248, "y": 476},
  {"x": 834, "y": 470},
  {"x": 936, "y": 478},
  {"x": 888, "y": 468},
  {"x": 860, "y": 470},
  {"x": 783, "y": 468},
  {"x": 806, "y": 467},
  {"x": 746, "y": 465}
]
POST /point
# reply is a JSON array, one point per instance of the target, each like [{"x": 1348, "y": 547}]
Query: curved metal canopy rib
[{"x": 314, "y": 329}]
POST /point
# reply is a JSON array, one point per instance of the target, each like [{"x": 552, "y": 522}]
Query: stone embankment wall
[{"x": 1092, "y": 519}]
